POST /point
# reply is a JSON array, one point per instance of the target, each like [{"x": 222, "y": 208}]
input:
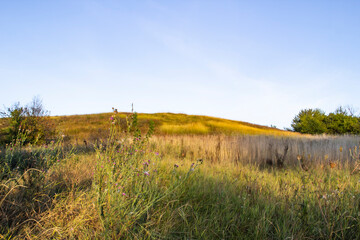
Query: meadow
[
  {"x": 91, "y": 127},
  {"x": 189, "y": 177}
]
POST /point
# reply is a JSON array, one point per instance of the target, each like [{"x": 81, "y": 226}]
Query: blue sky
[{"x": 255, "y": 61}]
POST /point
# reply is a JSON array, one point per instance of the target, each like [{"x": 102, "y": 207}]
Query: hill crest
[{"x": 92, "y": 126}]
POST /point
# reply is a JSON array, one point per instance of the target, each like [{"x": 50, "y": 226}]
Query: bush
[
  {"x": 31, "y": 120},
  {"x": 315, "y": 121},
  {"x": 310, "y": 121},
  {"x": 342, "y": 122}
]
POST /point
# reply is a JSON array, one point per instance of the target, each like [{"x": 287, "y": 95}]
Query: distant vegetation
[{"x": 315, "y": 121}]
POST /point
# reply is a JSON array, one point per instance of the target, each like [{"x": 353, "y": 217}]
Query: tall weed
[{"x": 129, "y": 180}]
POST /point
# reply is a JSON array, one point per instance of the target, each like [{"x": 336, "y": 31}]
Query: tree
[
  {"x": 31, "y": 120},
  {"x": 314, "y": 121},
  {"x": 310, "y": 121},
  {"x": 343, "y": 121}
]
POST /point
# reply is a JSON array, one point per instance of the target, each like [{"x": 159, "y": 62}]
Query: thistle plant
[{"x": 128, "y": 178}]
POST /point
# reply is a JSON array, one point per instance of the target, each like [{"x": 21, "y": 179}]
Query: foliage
[
  {"x": 310, "y": 121},
  {"x": 315, "y": 121},
  {"x": 31, "y": 119},
  {"x": 342, "y": 122}
]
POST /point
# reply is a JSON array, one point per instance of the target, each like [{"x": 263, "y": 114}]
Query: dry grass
[
  {"x": 188, "y": 128},
  {"x": 317, "y": 150},
  {"x": 73, "y": 216},
  {"x": 230, "y": 127}
]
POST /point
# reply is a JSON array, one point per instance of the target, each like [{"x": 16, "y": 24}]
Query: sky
[{"x": 254, "y": 61}]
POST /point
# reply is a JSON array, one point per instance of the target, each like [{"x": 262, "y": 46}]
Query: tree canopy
[{"x": 315, "y": 121}]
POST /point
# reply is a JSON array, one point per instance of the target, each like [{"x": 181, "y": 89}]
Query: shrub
[
  {"x": 310, "y": 121},
  {"x": 32, "y": 119},
  {"x": 315, "y": 121},
  {"x": 342, "y": 122}
]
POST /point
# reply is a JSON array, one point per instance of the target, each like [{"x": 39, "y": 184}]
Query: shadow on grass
[
  {"x": 207, "y": 206},
  {"x": 23, "y": 200},
  {"x": 213, "y": 207}
]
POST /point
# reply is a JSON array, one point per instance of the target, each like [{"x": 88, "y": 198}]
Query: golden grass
[
  {"x": 229, "y": 127},
  {"x": 189, "y": 128},
  {"x": 257, "y": 149},
  {"x": 96, "y": 126}
]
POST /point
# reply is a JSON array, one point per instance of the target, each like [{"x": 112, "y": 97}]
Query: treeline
[{"x": 315, "y": 121}]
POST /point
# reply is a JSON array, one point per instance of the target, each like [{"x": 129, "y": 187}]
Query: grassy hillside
[
  {"x": 181, "y": 187},
  {"x": 93, "y": 126}
]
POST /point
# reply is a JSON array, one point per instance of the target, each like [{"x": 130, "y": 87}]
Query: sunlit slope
[{"x": 92, "y": 126}]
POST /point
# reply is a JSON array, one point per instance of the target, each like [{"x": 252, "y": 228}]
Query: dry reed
[{"x": 259, "y": 148}]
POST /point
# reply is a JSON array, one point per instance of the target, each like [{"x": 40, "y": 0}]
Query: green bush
[
  {"x": 342, "y": 122},
  {"x": 32, "y": 119},
  {"x": 315, "y": 121},
  {"x": 310, "y": 121}
]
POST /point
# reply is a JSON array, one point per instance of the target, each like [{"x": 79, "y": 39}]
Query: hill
[{"x": 94, "y": 126}]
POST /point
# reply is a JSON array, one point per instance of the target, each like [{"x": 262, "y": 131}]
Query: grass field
[
  {"x": 180, "y": 186},
  {"x": 95, "y": 126}
]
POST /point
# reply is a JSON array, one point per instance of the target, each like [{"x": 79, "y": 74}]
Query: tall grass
[
  {"x": 317, "y": 150},
  {"x": 127, "y": 180},
  {"x": 24, "y": 189},
  {"x": 220, "y": 201}
]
